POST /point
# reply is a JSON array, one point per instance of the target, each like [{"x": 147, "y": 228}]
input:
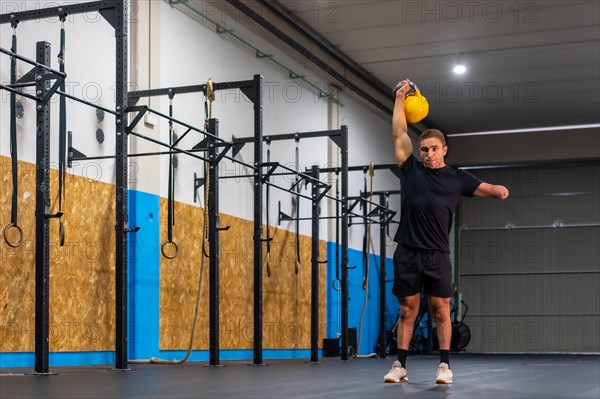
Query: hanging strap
[
  {"x": 337, "y": 283},
  {"x": 365, "y": 224},
  {"x": 13, "y": 133},
  {"x": 171, "y": 212},
  {"x": 62, "y": 133},
  {"x": 297, "y": 207},
  {"x": 13, "y": 154},
  {"x": 268, "y": 194},
  {"x": 390, "y": 240},
  {"x": 367, "y": 236},
  {"x": 171, "y": 192}
]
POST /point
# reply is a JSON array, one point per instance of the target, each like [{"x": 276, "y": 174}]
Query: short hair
[{"x": 433, "y": 133}]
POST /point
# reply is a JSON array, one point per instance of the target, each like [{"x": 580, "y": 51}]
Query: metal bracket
[
  {"x": 49, "y": 76},
  {"x": 141, "y": 111},
  {"x": 56, "y": 215},
  {"x": 282, "y": 216},
  {"x": 72, "y": 152},
  {"x": 272, "y": 167},
  {"x": 109, "y": 15},
  {"x": 237, "y": 147},
  {"x": 202, "y": 145},
  {"x": 248, "y": 92}
]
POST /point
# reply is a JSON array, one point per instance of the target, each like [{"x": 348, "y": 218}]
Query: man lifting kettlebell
[{"x": 430, "y": 195}]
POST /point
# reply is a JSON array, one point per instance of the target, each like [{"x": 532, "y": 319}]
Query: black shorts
[{"x": 415, "y": 268}]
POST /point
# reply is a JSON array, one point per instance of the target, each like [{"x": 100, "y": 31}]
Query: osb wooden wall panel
[
  {"x": 179, "y": 279},
  {"x": 81, "y": 272},
  {"x": 286, "y": 295}
]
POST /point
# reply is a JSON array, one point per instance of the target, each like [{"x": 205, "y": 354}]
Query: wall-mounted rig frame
[{"x": 115, "y": 12}]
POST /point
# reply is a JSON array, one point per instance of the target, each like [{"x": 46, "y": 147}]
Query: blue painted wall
[
  {"x": 356, "y": 293},
  {"x": 144, "y": 273}
]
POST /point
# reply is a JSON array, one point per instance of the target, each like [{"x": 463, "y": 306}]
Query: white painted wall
[
  {"x": 89, "y": 60},
  {"x": 370, "y": 140},
  {"x": 185, "y": 51}
]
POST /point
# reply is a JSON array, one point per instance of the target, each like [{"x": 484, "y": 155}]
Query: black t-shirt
[{"x": 429, "y": 199}]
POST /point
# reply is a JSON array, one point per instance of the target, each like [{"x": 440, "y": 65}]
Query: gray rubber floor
[{"x": 475, "y": 376}]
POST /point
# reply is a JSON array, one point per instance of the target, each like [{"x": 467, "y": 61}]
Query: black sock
[
  {"x": 402, "y": 353},
  {"x": 445, "y": 356}
]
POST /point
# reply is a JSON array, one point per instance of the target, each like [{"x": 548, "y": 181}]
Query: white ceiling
[{"x": 530, "y": 63}]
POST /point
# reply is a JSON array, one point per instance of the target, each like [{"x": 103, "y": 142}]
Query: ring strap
[{"x": 13, "y": 136}]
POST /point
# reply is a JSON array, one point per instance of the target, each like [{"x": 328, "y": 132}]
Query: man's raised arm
[{"x": 402, "y": 144}]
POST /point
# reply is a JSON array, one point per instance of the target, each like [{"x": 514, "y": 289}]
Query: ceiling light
[{"x": 459, "y": 67}]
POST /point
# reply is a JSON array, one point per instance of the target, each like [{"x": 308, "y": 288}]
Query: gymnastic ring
[
  {"x": 351, "y": 351},
  {"x": 163, "y": 247},
  {"x": 336, "y": 284},
  {"x": 61, "y": 233},
  {"x": 17, "y": 243}
]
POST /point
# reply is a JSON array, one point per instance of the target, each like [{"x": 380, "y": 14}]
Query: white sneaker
[
  {"x": 396, "y": 374},
  {"x": 444, "y": 374}
]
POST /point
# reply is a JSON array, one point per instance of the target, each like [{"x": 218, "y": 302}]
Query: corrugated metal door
[{"x": 529, "y": 266}]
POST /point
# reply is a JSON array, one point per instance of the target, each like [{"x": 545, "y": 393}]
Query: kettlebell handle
[{"x": 412, "y": 85}]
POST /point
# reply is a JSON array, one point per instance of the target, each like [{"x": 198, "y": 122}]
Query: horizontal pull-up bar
[
  {"x": 31, "y": 62},
  {"x": 377, "y": 206},
  {"x": 282, "y": 217},
  {"x": 141, "y": 154},
  {"x": 364, "y": 199},
  {"x": 364, "y": 168},
  {"x": 248, "y": 176},
  {"x": 37, "y": 99},
  {"x": 374, "y": 221},
  {"x": 385, "y": 192},
  {"x": 144, "y": 108},
  {"x": 24, "y": 84},
  {"x": 335, "y": 135},
  {"x": 271, "y": 172},
  {"x": 303, "y": 175},
  {"x": 20, "y": 93},
  {"x": 289, "y": 191},
  {"x": 168, "y": 146},
  {"x": 170, "y": 91},
  {"x": 87, "y": 103},
  {"x": 289, "y": 136}
]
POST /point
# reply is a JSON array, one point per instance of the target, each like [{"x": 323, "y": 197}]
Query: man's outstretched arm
[{"x": 491, "y": 190}]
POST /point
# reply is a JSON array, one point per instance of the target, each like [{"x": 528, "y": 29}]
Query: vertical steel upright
[
  {"x": 344, "y": 155},
  {"x": 258, "y": 204},
  {"x": 383, "y": 224},
  {"x": 42, "y": 213},
  {"x": 314, "y": 276},
  {"x": 213, "y": 238},
  {"x": 122, "y": 224}
]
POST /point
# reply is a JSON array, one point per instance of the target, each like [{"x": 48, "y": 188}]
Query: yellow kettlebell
[{"x": 416, "y": 106}]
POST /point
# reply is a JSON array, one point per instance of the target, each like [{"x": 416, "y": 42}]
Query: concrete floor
[{"x": 475, "y": 376}]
